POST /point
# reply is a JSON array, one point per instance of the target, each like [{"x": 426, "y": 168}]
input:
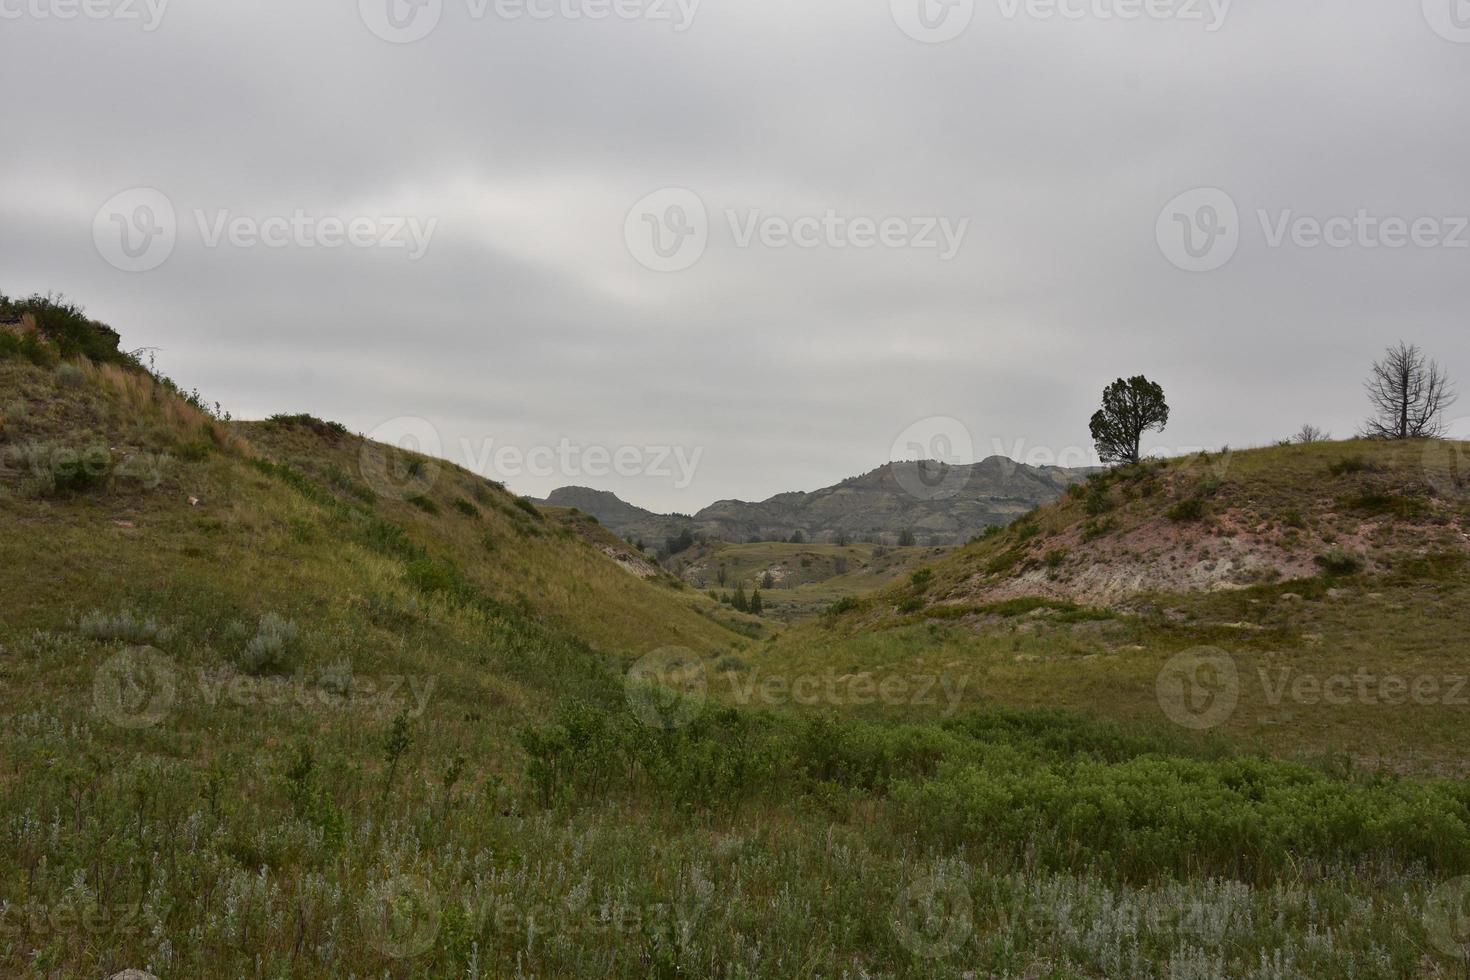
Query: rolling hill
[
  {"x": 939, "y": 504},
  {"x": 277, "y": 701},
  {"x": 1301, "y": 563}
]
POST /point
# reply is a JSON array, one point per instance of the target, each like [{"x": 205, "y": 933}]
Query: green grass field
[
  {"x": 804, "y": 579},
  {"x": 279, "y": 703}
]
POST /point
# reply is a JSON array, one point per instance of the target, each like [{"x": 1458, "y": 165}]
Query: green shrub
[
  {"x": 910, "y": 604},
  {"x": 60, "y": 469},
  {"x": 27, "y": 345},
  {"x": 465, "y": 507},
  {"x": 304, "y": 421},
  {"x": 1336, "y": 561},
  {"x": 124, "y": 626},
  {"x": 528, "y": 507},
  {"x": 846, "y": 604},
  {"x": 1378, "y": 503},
  {"x": 1055, "y": 558},
  {"x": 64, "y": 325},
  {"x": 268, "y": 651},
  {"x": 1188, "y": 509},
  {"x": 1149, "y": 817},
  {"x": 430, "y": 576},
  {"x": 1097, "y": 502},
  {"x": 69, "y": 376},
  {"x": 1350, "y": 465},
  {"x": 1005, "y": 561},
  {"x": 424, "y": 504}
]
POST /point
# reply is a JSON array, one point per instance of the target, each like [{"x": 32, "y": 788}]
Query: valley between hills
[{"x": 279, "y": 701}]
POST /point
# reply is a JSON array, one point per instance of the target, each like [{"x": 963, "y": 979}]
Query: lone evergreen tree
[{"x": 1129, "y": 409}]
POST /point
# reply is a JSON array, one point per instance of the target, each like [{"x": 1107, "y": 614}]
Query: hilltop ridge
[
  {"x": 1226, "y": 521},
  {"x": 937, "y": 503}
]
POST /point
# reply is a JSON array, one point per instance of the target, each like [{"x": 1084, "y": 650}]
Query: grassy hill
[
  {"x": 1303, "y": 564},
  {"x": 804, "y": 579},
  {"x": 275, "y": 702},
  {"x": 1223, "y": 521}
]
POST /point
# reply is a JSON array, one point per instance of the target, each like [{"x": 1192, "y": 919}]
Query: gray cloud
[{"x": 528, "y": 321}]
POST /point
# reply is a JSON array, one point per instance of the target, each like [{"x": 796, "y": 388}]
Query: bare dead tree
[
  {"x": 1309, "y": 434},
  {"x": 1409, "y": 395}
]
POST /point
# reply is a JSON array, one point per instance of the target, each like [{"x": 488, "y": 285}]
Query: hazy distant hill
[{"x": 939, "y": 504}]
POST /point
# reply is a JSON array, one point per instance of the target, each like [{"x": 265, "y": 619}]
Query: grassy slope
[
  {"x": 274, "y": 825},
  {"x": 1018, "y": 629},
  {"x": 289, "y": 539},
  {"x": 807, "y": 578}
]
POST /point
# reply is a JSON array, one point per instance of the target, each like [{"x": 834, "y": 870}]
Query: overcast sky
[{"x": 523, "y": 302}]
